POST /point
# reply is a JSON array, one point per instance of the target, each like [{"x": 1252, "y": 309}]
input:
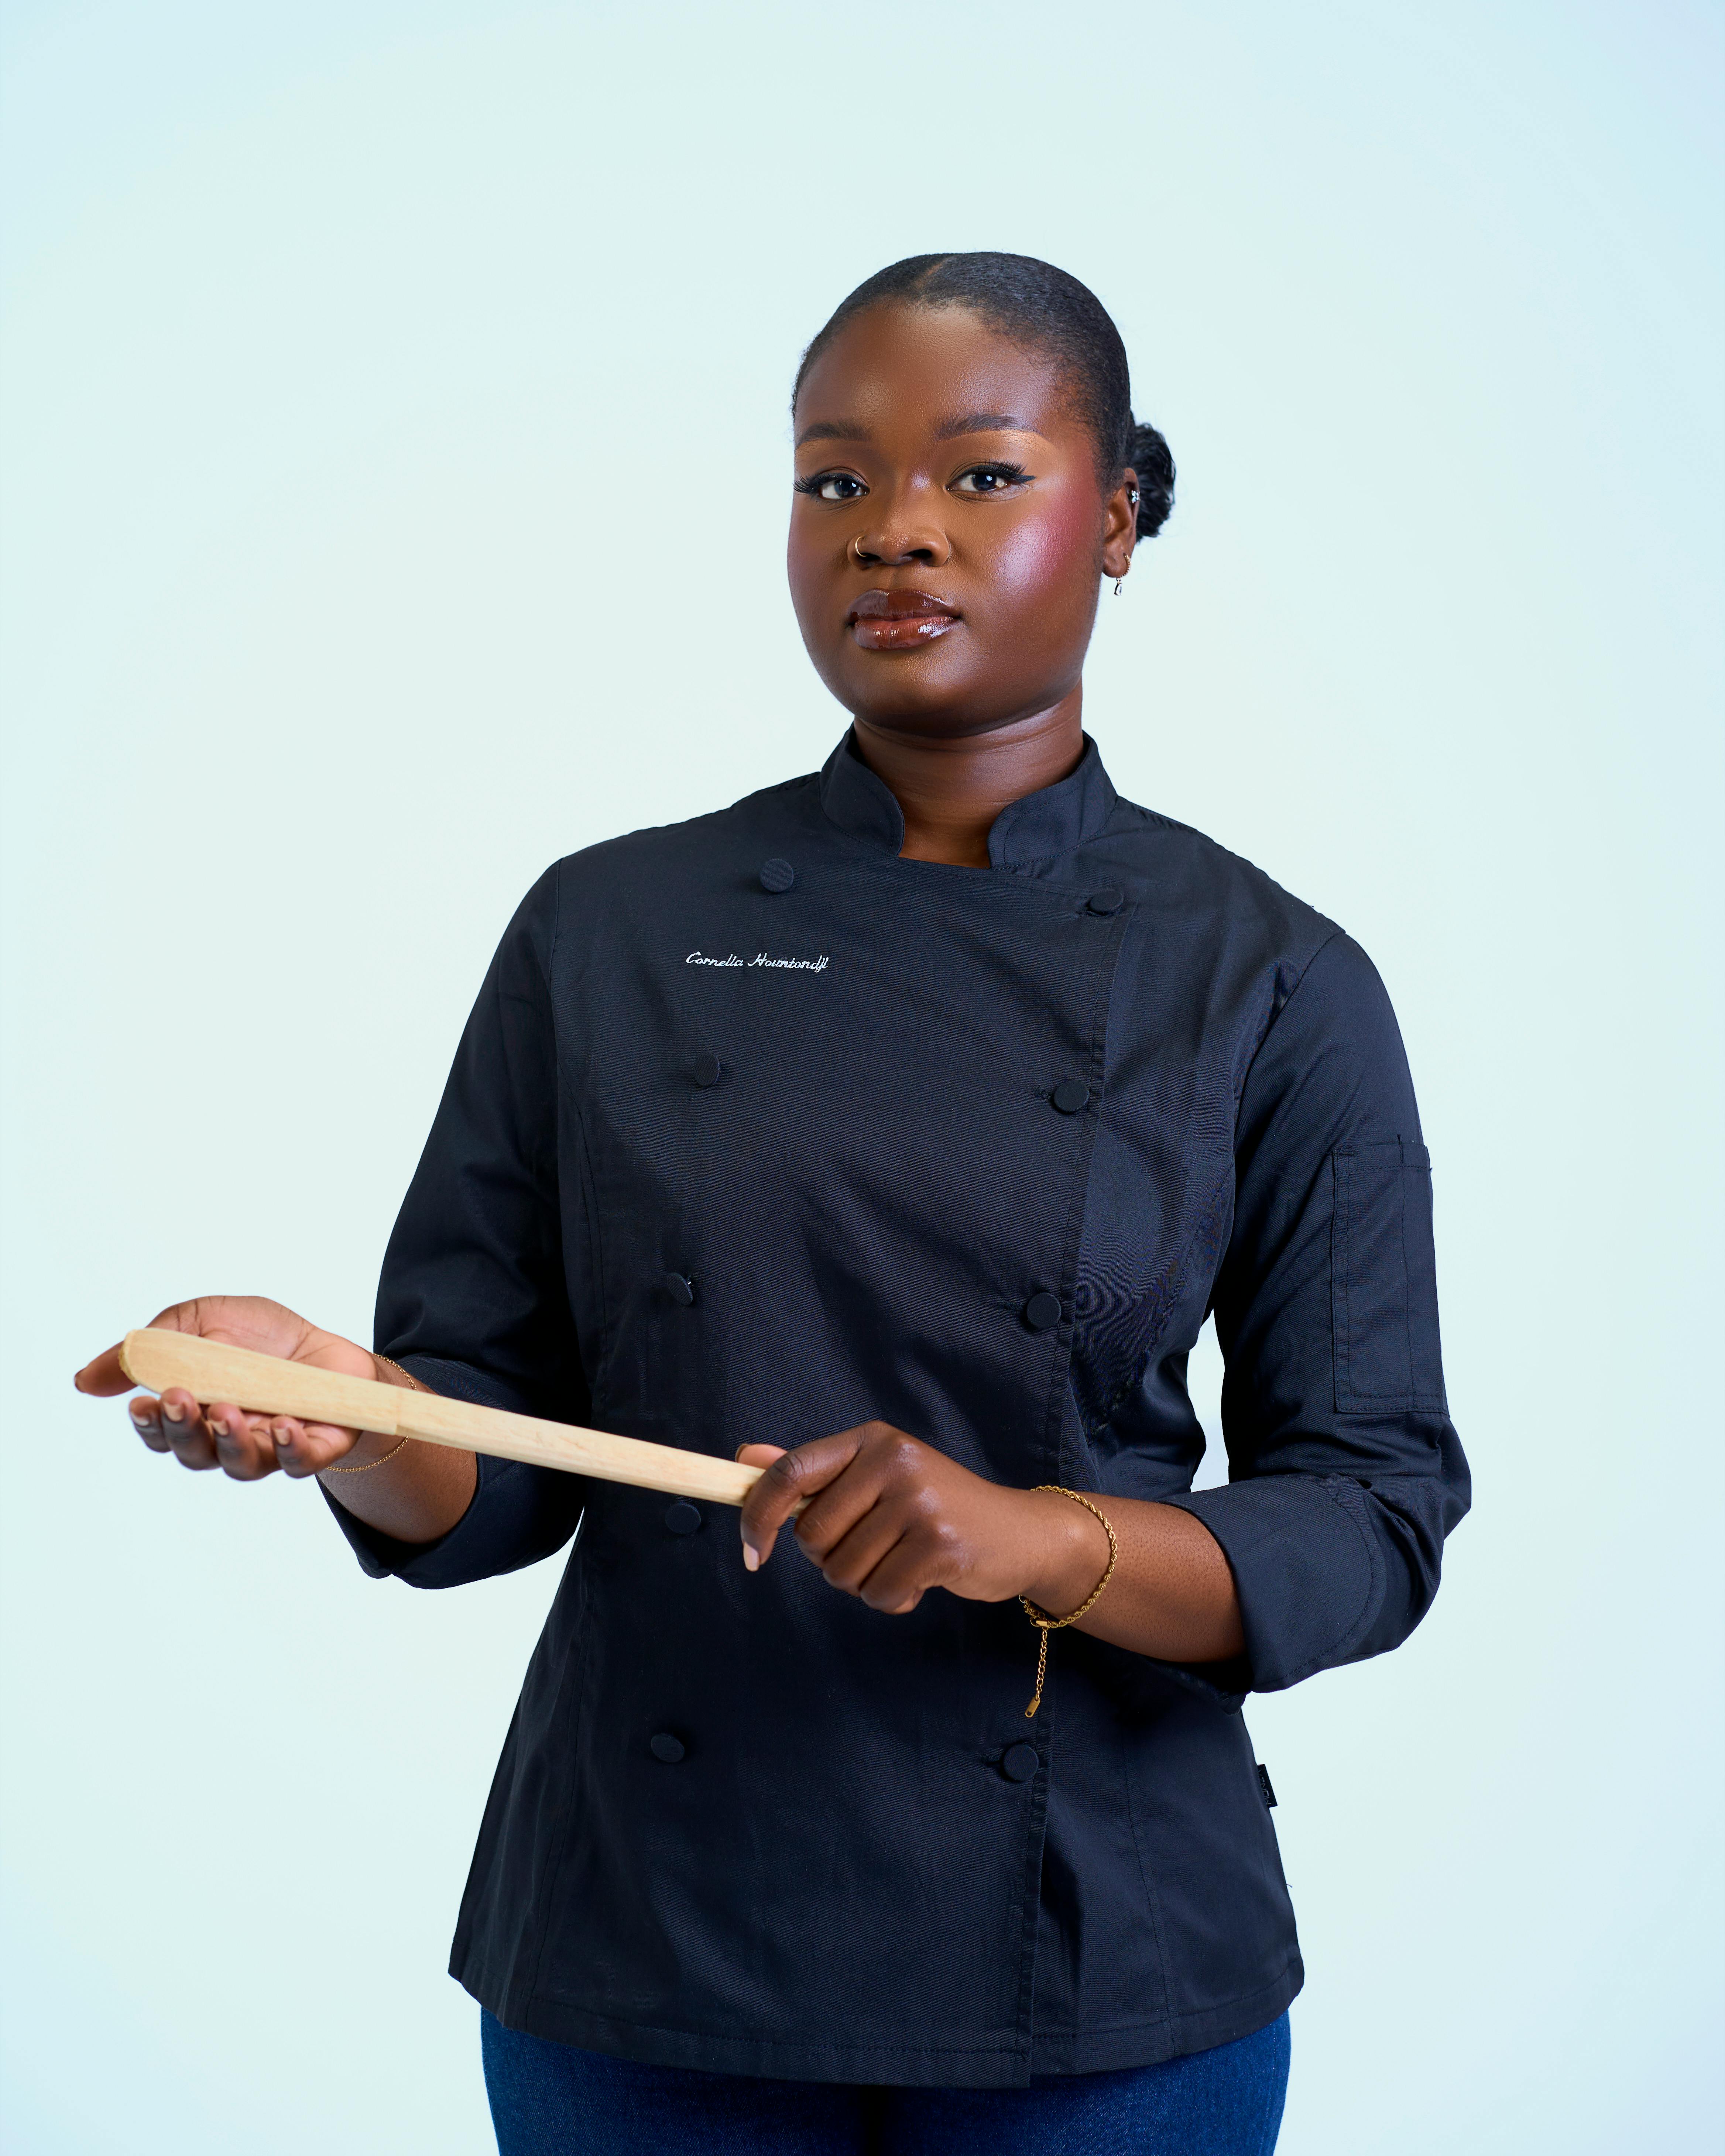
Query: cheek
[
  {"x": 1050, "y": 557},
  {"x": 809, "y": 567},
  {"x": 796, "y": 564}
]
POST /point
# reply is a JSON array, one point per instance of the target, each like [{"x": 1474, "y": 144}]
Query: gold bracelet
[
  {"x": 406, "y": 1377},
  {"x": 1040, "y": 1618},
  {"x": 382, "y": 1460}
]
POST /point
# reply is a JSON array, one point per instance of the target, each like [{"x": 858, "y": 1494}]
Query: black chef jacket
[{"x": 758, "y": 1130}]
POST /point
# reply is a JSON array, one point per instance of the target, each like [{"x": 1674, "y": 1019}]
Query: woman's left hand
[{"x": 887, "y": 1518}]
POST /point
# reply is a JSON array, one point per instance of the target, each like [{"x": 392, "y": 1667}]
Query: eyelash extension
[{"x": 1001, "y": 469}]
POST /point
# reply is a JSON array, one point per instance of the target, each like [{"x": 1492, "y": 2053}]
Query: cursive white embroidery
[{"x": 789, "y": 965}]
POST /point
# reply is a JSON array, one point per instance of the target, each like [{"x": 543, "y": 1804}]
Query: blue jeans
[{"x": 552, "y": 2100}]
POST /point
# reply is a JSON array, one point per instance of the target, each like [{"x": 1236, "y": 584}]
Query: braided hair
[{"x": 1048, "y": 311}]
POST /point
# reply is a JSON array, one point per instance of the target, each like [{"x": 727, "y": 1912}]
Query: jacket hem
[
  {"x": 1003, "y": 2063},
  {"x": 1172, "y": 2036}
]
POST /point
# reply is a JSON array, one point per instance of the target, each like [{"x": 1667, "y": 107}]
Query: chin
[{"x": 904, "y": 689}]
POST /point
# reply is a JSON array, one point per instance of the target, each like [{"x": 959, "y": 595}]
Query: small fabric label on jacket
[{"x": 761, "y": 959}]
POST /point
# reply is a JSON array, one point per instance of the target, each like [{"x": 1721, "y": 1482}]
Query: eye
[
  {"x": 832, "y": 486},
  {"x": 990, "y": 479}
]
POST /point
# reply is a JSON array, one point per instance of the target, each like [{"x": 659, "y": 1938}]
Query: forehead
[{"x": 916, "y": 368}]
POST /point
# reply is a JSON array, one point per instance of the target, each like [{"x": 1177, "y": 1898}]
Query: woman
[{"x": 896, "y": 1129}]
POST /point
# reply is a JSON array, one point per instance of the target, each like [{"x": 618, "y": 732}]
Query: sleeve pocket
[{"x": 1383, "y": 1282}]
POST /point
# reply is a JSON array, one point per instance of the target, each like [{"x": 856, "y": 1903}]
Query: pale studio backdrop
[{"x": 395, "y": 456}]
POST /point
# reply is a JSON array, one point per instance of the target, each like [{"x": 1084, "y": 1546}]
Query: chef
[{"x": 896, "y": 1130}]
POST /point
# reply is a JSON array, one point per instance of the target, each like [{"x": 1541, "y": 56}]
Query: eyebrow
[
  {"x": 972, "y": 422},
  {"x": 981, "y": 422}
]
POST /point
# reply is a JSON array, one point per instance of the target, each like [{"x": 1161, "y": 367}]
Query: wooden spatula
[{"x": 266, "y": 1385}]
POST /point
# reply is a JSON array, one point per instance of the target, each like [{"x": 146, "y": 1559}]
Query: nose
[{"x": 898, "y": 536}]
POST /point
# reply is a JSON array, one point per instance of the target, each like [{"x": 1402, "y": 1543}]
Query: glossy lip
[{"x": 900, "y": 620}]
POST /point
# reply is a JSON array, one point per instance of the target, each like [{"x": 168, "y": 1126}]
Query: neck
[{"x": 951, "y": 788}]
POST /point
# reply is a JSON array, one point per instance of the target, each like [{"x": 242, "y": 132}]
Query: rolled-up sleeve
[
  {"x": 472, "y": 1297},
  {"x": 1345, "y": 1472}
]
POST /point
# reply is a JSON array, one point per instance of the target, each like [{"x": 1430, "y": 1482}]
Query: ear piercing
[{"x": 1131, "y": 495}]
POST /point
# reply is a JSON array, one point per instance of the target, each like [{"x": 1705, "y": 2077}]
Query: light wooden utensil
[{"x": 266, "y": 1385}]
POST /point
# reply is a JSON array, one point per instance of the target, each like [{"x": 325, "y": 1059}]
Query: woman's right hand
[{"x": 243, "y": 1446}]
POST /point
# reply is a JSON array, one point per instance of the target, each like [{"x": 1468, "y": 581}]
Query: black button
[
  {"x": 1068, "y": 1096},
  {"x": 777, "y": 875},
  {"x": 667, "y": 1747},
  {"x": 1042, "y": 1310},
  {"x": 1019, "y": 1765},
  {"x": 682, "y": 1518},
  {"x": 708, "y": 1069},
  {"x": 1107, "y": 901},
  {"x": 681, "y": 1290}
]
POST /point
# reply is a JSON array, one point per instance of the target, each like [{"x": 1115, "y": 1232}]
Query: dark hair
[{"x": 1043, "y": 308}]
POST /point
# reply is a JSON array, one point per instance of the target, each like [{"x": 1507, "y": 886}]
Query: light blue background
[{"x": 396, "y": 455}]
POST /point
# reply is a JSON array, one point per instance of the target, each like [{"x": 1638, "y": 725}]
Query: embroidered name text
[{"x": 788, "y": 965}]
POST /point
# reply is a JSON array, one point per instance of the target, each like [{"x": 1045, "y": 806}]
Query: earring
[{"x": 1118, "y": 582}]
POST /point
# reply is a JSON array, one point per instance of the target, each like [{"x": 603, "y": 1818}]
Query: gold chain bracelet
[
  {"x": 413, "y": 1385},
  {"x": 382, "y": 1459},
  {"x": 1040, "y": 1618}
]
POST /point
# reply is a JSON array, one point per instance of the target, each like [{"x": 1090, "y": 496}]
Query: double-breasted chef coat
[{"x": 758, "y": 1132}]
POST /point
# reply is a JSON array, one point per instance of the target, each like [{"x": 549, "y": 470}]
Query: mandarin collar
[{"x": 1043, "y": 825}]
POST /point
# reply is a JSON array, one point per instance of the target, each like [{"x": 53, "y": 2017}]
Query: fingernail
[
  {"x": 751, "y": 1557},
  {"x": 140, "y": 1415},
  {"x": 283, "y": 1439},
  {"x": 173, "y": 1415}
]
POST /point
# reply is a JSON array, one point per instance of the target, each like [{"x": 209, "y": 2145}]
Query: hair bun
[{"x": 1152, "y": 459}]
